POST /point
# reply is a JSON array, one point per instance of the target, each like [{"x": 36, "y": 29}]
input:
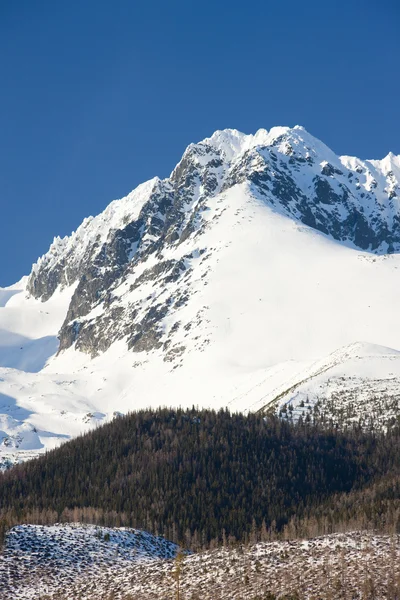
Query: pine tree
[{"x": 177, "y": 573}]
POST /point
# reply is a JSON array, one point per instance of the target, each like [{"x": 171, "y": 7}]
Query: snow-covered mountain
[{"x": 226, "y": 284}]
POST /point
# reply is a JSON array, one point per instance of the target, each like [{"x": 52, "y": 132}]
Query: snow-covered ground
[
  {"x": 39, "y": 560},
  {"x": 266, "y": 301},
  {"x": 356, "y": 384},
  {"x": 75, "y": 561}
]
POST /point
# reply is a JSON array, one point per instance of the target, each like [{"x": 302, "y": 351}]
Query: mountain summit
[{"x": 220, "y": 285}]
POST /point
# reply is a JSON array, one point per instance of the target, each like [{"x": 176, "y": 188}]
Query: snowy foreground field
[{"x": 87, "y": 562}]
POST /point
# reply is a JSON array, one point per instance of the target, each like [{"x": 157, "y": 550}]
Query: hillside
[
  {"x": 38, "y": 560},
  {"x": 334, "y": 389},
  {"x": 65, "y": 563},
  {"x": 259, "y": 257}
]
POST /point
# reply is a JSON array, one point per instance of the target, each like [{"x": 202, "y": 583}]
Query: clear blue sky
[{"x": 97, "y": 96}]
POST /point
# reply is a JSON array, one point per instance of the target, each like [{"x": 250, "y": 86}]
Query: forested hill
[{"x": 200, "y": 476}]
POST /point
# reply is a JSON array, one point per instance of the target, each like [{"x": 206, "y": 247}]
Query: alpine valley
[{"x": 262, "y": 275}]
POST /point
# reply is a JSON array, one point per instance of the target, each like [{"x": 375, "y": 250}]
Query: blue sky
[{"x": 97, "y": 96}]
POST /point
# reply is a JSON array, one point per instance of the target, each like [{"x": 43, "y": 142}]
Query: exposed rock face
[{"x": 133, "y": 244}]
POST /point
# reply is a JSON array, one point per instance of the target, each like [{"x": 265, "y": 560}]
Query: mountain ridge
[{"x": 162, "y": 214}]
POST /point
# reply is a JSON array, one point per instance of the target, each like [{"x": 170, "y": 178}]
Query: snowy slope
[
  {"x": 44, "y": 559},
  {"x": 74, "y": 561},
  {"x": 356, "y": 384},
  {"x": 226, "y": 284},
  {"x": 29, "y": 328}
]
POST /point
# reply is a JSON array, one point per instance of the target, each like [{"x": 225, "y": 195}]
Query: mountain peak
[
  {"x": 230, "y": 141},
  {"x": 287, "y": 167},
  {"x": 390, "y": 161}
]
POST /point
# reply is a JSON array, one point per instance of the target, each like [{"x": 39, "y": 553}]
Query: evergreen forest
[{"x": 201, "y": 478}]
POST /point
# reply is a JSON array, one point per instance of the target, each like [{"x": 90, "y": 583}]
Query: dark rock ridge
[{"x": 126, "y": 245}]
